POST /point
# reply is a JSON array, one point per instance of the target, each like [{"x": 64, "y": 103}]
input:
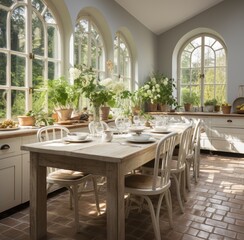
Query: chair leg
[
  {"x": 169, "y": 207},
  {"x": 96, "y": 194},
  {"x": 188, "y": 174},
  {"x": 76, "y": 207},
  {"x": 155, "y": 221},
  {"x": 177, "y": 183},
  {"x": 183, "y": 188}
]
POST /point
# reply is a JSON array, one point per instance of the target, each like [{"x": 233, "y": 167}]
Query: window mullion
[{"x": 202, "y": 70}]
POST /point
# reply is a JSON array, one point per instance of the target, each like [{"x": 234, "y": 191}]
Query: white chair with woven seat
[
  {"x": 72, "y": 180},
  {"x": 178, "y": 165},
  {"x": 193, "y": 156},
  {"x": 156, "y": 183}
]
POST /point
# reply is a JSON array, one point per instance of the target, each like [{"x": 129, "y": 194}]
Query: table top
[{"x": 115, "y": 151}]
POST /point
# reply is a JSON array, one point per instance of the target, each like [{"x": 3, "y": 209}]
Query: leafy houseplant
[
  {"x": 209, "y": 104},
  {"x": 189, "y": 99},
  {"x": 62, "y": 96}
]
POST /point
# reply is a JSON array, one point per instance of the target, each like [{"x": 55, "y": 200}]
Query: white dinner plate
[
  {"x": 9, "y": 129},
  {"x": 163, "y": 131},
  {"x": 138, "y": 140},
  {"x": 67, "y": 139}
]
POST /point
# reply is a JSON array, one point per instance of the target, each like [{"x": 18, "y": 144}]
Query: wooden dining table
[{"x": 112, "y": 159}]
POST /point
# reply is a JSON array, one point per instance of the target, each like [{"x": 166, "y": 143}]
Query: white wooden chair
[
  {"x": 156, "y": 183},
  {"x": 193, "y": 156},
  {"x": 178, "y": 165},
  {"x": 72, "y": 180}
]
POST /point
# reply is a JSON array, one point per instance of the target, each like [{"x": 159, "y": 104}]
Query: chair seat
[
  {"x": 64, "y": 174},
  {"x": 140, "y": 181}
]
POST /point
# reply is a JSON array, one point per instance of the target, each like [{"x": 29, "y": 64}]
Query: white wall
[
  {"x": 227, "y": 19},
  {"x": 116, "y": 18}
]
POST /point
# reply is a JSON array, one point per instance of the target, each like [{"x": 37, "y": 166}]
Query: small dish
[
  {"x": 149, "y": 140},
  {"x": 137, "y": 130},
  {"x": 67, "y": 139},
  {"x": 9, "y": 129},
  {"x": 77, "y": 135},
  {"x": 140, "y": 138}
]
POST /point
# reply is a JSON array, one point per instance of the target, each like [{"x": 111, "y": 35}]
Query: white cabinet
[
  {"x": 10, "y": 174},
  {"x": 228, "y": 134},
  {"x": 220, "y": 133}
]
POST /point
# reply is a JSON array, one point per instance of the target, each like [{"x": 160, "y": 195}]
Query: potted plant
[
  {"x": 32, "y": 118},
  {"x": 61, "y": 95},
  {"x": 209, "y": 104},
  {"x": 189, "y": 99}
]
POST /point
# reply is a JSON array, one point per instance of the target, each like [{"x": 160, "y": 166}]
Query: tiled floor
[{"x": 214, "y": 210}]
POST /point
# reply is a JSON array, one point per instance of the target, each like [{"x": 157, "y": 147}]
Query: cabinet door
[{"x": 10, "y": 182}]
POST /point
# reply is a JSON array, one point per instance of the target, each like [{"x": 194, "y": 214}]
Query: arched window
[
  {"x": 202, "y": 69},
  {"x": 29, "y": 53},
  {"x": 88, "y": 46},
  {"x": 122, "y": 60}
]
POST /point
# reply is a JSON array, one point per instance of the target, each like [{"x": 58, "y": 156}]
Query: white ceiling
[{"x": 161, "y": 15}]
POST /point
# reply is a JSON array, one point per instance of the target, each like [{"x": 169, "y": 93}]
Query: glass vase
[{"x": 96, "y": 126}]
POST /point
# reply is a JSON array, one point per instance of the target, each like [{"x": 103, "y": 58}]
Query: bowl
[
  {"x": 77, "y": 135},
  {"x": 140, "y": 137}
]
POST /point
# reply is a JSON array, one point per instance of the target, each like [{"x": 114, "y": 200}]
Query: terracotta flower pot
[
  {"x": 226, "y": 109},
  {"x": 187, "y": 107},
  {"x": 64, "y": 114},
  {"x": 152, "y": 107},
  {"x": 104, "y": 112},
  {"x": 26, "y": 120}
]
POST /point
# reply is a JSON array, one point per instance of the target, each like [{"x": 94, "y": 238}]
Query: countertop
[
  {"x": 207, "y": 114},
  {"x": 26, "y": 131}
]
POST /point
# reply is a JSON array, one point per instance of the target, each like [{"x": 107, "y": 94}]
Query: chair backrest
[
  {"x": 51, "y": 133},
  {"x": 91, "y": 126},
  {"x": 185, "y": 143},
  {"x": 196, "y": 136},
  {"x": 163, "y": 156}
]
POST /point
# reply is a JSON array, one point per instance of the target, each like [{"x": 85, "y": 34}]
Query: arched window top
[{"x": 202, "y": 69}]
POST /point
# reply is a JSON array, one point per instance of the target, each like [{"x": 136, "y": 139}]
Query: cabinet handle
[
  {"x": 4, "y": 146},
  {"x": 229, "y": 121}
]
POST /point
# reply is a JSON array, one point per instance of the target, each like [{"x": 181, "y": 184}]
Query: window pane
[
  {"x": 18, "y": 39},
  {"x": 18, "y": 103},
  {"x": 7, "y": 3},
  {"x": 37, "y": 73},
  {"x": 93, "y": 54},
  {"x": 221, "y": 75},
  {"x": 220, "y": 93},
  {"x": 49, "y": 17},
  {"x": 197, "y": 42},
  {"x": 189, "y": 47},
  {"x": 52, "y": 42},
  {"x": 18, "y": 71},
  {"x": 195, "y": 73},
  {"x": 209, "y": 75},
  {"x": 196, "y": 58},
  {"x": 38, "y": 5},
  {"x": 3, "y": 107},
  {"x": 217, "y": 45},
  {"x": 220, "y": 58},
  {"x": 185, "y": 59},
  {"x": 51, "y": 70},
  {"x": 209, "y": 41},
  {"x": 209, "y": 58},
  {"x": 208, "y": 92},
  {"x": 38, "y": 100},
  {"x": 3, "y": 66},
  {"x": 127, "y": 67},
  {"x": 185, "y": 76},
  {"x": 37, "y": 35},
  {"x": 3, "y": 17}
]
